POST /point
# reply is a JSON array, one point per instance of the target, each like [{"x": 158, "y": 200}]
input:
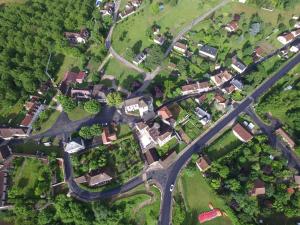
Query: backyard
[
  {"x": 133, "y": 31},
  {"x": 197, "y": 195}
]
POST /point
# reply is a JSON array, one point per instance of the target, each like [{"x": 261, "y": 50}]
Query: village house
[
  {"x": 166, "y": 115},
  {"x": 204, "y": 116},
  {"x": 237, "y": 65},
  {"x": 94, "y": 179},
  {"x": 71, "y": 78},
  {"x": 5, "y": 152},
  {"x": 130, "y": 8},
  {"x": 139, "y": 58},
  {"x": 33, "y": 108},
  {"x": 258, "y": 188},
  {"x": 295, "y": 47},
  {"x": 151, "y": 156},
  {"x": 3, "y": 187},
  {"x": 141, "y": 106},
  {"x": 149, "y": 137},
  {"x": 228, "y": 89},
  {"x": 81, "y": 94},
  {"x": 238, "y": 85},
  {"x": 159, "y": 39},
  {"x": 201, "y": 99},
  {"x": 221, "y": 101},
  {"x": 221, "y": 78},
  {"x": 285, "y": 137},
  {"x": 208, "y": 51},
  {"x": 108, "y": 9},
  {"x": 74, "y": 146},
  {"x": 77, "y": 38},
  {"x": 233, "y": 26},
  {"x": 108, "y": 136},
  {"x": 180, "y": 47},
  {"x": 10, "y": 133},
  {"x": 259, "y": 53},
  {"x": 241, "y": 133},
  {"x": 210, "y": 215},
  {"x": 195, "y": 88},
  {"x": 203, "y": 163},
  {"x": 288, "y": 37}
]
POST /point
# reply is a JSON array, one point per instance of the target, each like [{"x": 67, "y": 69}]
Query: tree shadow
[
  {"x": 23, "y": 182},
  {"x": 137, "y": 47}
]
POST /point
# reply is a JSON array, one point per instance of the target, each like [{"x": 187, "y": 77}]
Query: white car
[{"x": 172, "y": 187}]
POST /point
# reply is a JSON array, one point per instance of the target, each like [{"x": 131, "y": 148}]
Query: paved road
[
  {"x": 275, "y": 142},
  {"x": 166, "y": 205},
  {"x": 84, "y": 195}
]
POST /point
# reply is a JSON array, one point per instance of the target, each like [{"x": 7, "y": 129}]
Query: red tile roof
[
  {"x": 203, "y": 163},
  {"x": 165, "y": 113},
  {"x": 108, "y": 137},
  {"x": 233, "y": 25},
  {"x": 207, "y": 216},
  {"x": 242, "y": 132},
  {"x": 71, "y": 77},
  {"x": 27, "y": 120},
  {"x": 259, "y": 188},
  {"x": 285, "y": 136}
]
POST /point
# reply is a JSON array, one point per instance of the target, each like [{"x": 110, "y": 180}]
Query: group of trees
[
  {"x": 234, "y": 174},
  {"x": 92, "y": 160},
  {"x": 92, "y": 106},
  {"x": 29, "y": 33},
  {"x": 114, "y": 99},
  {"x": 87, "y": 132},
  {"x": 282, "y": 4}
]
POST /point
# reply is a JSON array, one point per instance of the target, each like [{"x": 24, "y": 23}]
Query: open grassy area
[
  {"x": 26, "y": 176},
  {"x": 32, "y": 147},
  {"x": 123, "y": 75},
  {"x": 147, "y": 215},
  {"x": 197, "y": 195},
  {"x": 49, "y": 122},
  {"x": 78, "y": 114},
  {"x": 133, "y": 30},
  {"x": 69, "y": 63},
  {"x": 222, "y": 145},
  {"x": 11, "y": 1}
]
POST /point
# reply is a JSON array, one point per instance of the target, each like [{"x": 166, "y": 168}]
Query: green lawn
[
  {"x": 123, "y": 75},
  {"x": 32, "y": 147},
  {"x": 167, "y": 147},
  {"x": 123, "y": 131},
  {"x": 49, "y": 123},
  {"x": 197, "y": 195},
  {"x": 69, "y": 63},
  {"x": 78, "y": 114},
  {"x": 222, "y": 145},
  {"x": 132, "y": 31},
  {"x": 26, "y": 176},
  {"x": 147, "y": 215}
]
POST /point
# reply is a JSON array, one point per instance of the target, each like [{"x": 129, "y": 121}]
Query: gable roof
[
  {"x": 207, "y": 216},
  {"x": 11, "y": 132},
  {"x": 286, "y": 137},
  {"x": 242, "y": 132},
  {"x": 99, "y": 179},
  {"x": 208, "y": 49},
  {"x": 195, "y": 86},
  {"x": 151, "y": 156},
  {"x": 259, "y": 188},
  {"x": 165, "y": 113},
  {"x": 203, "y": 163}
]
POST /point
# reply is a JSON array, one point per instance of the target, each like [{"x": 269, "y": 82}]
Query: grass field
[
  {"x": 78, "y": 114},
  {"x": 124, "y": 76},
  {"x": 197, "y": 195},
  {"x": 133, "y": 30},
  {"x": 222, "y": 145},
  {"x": 32, "y": 147},
  {"x": 49, "y": 123},
  {"x": 147, "y": 215},
  {"x": 27, "y": 175},
  {"x": 69, "y": 63}
]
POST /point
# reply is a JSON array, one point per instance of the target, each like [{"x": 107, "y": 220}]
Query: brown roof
[
  {"x": 233, "y": 25},
  {"x": 297, "y": 180},
  {"x": 10, "y": 132},
  {"x": 71, "y": 77},
  {"x": 259, "y": 51},
  {"x": 220, "y": 98},
  {"x": 285, "y": 136},
  {"x": 27, "y": 120},
  {"x": 195, "y": 86},
  {"x": 202, "y": 98},
  {"x": 99, "y": 179},
  {"x": 165, "y": 113},
  {"x": 108, "y": 136},
  {"x": 141, "y": 125},
  {"x": 151, "y": 156},
  {"x": 259, "y": 188},
  {"x": 180, "y": 45},
  {"x": 229, "y": 89},
  {"x": 203, "y": 163},
  {"x": 288, "y": 36},
  {"x": 242, "y": 132},
  {"x": 164, "y": 135}
]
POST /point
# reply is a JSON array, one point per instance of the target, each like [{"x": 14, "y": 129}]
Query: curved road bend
[{"x": 166, "y": 206}]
